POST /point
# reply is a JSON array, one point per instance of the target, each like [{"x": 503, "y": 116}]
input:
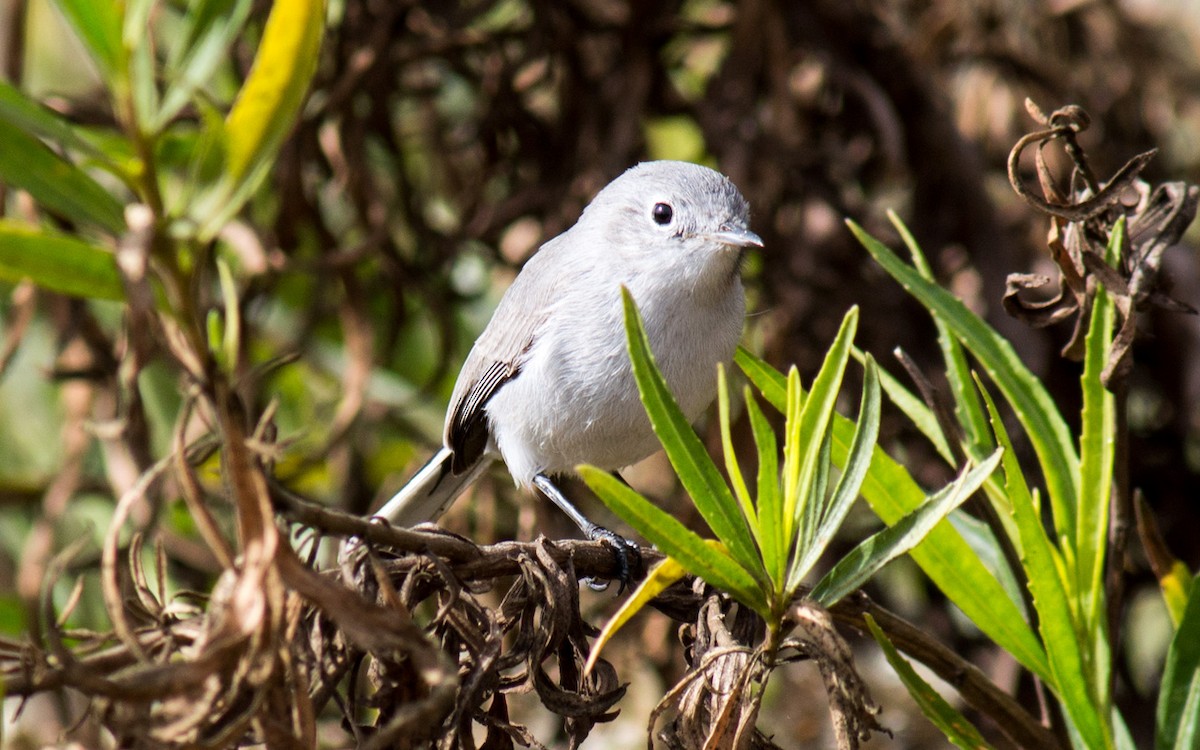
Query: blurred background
[{"x": 442, "y": 143}]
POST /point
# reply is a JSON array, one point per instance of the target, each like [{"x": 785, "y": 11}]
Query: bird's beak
[{"x": 730, "y": 234}]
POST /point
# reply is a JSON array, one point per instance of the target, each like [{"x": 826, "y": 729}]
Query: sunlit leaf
[
  {"x": 1037, "y": 411},
  {"x": 945, "y": 557},
  {"x": 673, "y": 538},
  {"x": 817, "y": 412},
  {"x": 266, "y": 107},
  {"x": 914, "y": 409},
  {"x": 865, "y": 560},
  {"x": 732, "y": 468},
  {"x": 858, "y": 462},
  {"x": 1178, "y": 713},
  {"x": 696, "y": 471},
  {"x": 1070, "y": 679},
  {"x": 769, "y": 495},
  {"x": 1097, "y": 445},
  {"x": 958, "y": 374},
  {"x": 657, "y": 580}
]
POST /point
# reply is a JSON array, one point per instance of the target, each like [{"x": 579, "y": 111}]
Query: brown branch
[{"x": 971, "y": 683}]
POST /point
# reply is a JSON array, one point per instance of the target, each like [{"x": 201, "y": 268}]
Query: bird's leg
[{"x": 629, "y": 558}]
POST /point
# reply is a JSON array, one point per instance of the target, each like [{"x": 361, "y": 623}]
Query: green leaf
[
  {"x": 676, "y": 540},
  {"x": 58, "y": 262},
  {"x": 1036, "y": 410},
  {"x": 856, "y": 568},
  {"x": 793, "y": 461},
  {"x": 12, "y": 621},
  {"x": 696, "y": 471},
  {"x": 1065, "y": 646},
  {"x": 858, "y": 461},
  {"x": 266, "y": 107},
  {"x": 1178, "y": 713},
  {"x": 953, "y": 725},
  {"x": 1097, "y": 443},
  {"x": 913, "y": 408},
  {"x": 958, "y": 374},
  {"x": 769, "y": 381},
  {"x": 817, "y": 411},
  {"x": 769, "y": 496},
  {"x": 55, "y": 183},
  {"x": 98, "y": 26},
  {"x": 945, "y": 557},
  {"x": 731, "y": 462},
  {"x": 1015, "y": 485},
  {"x": 143, "y": 72},
  {"x": 25, "y": 114},
  {"x": 210, "y": 27}
]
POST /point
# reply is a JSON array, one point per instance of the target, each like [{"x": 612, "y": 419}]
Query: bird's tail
[
  {"x": 430, "y": 492},
  {"x": 425, "y": 497}
]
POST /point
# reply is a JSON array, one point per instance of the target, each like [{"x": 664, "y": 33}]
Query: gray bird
[{"x": 548, "y": 384}]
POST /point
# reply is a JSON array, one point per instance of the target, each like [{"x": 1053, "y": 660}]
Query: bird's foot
[{"x": 627, "y": 554}]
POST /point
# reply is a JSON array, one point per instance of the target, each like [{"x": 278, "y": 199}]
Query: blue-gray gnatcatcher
[{"x": 548, "y": 384}]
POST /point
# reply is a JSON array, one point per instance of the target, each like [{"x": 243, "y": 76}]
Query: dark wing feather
[
  {"x": 467, "y": 436},
  {"x": 502, "y": 349}
]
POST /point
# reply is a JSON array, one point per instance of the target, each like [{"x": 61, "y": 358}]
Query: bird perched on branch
[{"x": 548, "y": 384}]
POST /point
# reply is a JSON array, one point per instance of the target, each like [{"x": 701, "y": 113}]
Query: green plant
[
  {"x": 770, "y": 540},
  {"x": 1063, "y": 567}
]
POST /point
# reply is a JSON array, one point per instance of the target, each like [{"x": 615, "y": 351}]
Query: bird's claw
[{"x": 627, "y": 554}]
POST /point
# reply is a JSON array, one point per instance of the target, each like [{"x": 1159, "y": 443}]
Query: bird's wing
[{"x": 498, "y": 355}]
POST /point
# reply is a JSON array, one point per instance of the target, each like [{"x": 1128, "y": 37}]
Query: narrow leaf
[
  {"x": 858, "y": 461},
  {"x": 817, "y": 412},
  {"x": 1015, "y": 485},
  {"x": 1066, "y": 648},
  {"x": 58, "y": 262},
  {"x": 769, "y": 496},
  {"x": 657, "y": 580},
  {"x": 732, "y": 468},
  {"x": 961, "y": 732},
  {"x": 675, "y": 539},
  {"x": 55, "y": 183},
  {"x": 792, "y": 460},
  {"x": 913, "y": 408},
  {"x": 25, "y": 114},
  {"x": 958, "y": 373},
  {"x": 1039, "y": 415},
  {"x": 98, "y": 26},
  {"x": 1097, "y": 443},
  {"x": 267, "y": 105},
  {"x": 945, "y": 557},
  {"x": 770, "y": 382},
  {"x": 856, "y": 568},
  {"x": 210, "y": 28},
  {"x": 142, "y": 68},
  {"x": 1178, "y": 713},
  {"x": 696, "y": 471}
]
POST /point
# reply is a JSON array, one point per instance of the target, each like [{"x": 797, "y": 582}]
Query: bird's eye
[{"x": 662, "y": 214}]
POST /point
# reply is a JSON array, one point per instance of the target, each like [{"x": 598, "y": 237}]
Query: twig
[{"x": 970, "y": 682}]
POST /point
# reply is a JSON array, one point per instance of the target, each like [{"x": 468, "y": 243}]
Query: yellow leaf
[{"x": 659, "y": 578}]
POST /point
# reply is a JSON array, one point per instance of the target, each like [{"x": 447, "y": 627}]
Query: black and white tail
[
  {"x": 426, "y": 496},
  {"x": 430, "y": 492}
]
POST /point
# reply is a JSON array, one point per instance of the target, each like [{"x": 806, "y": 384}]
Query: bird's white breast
[{"x": 575, "y": 400}]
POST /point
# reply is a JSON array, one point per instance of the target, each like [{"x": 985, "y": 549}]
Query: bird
[{"x": 548, "y": 385}]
